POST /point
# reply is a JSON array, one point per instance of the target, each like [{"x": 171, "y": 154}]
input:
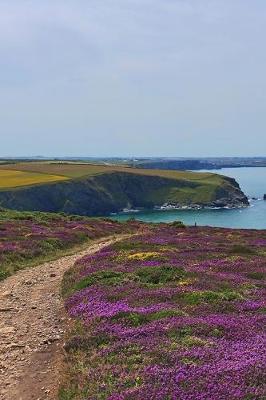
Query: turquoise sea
[{"x": 251, "y": 180}]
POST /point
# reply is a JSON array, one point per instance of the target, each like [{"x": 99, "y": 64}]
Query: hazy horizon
[
  {"x": 35, "y": 157},
  {"x": 132, "y": 78}
]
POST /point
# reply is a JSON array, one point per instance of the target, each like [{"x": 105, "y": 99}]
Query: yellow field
[
  {"x": 12, "y": 178},
  {"x": 76, "y": 170},
  {"x": 32, "y": 173}
]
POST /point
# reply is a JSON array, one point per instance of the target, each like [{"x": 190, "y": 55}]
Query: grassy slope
[
  {"x": 99, "y": 190},
  {"x": 30, "y": 238},
  {"x": 81, "y": 170}
]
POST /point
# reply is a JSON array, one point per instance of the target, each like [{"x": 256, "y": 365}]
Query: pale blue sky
[{"x": 133, "y": 77}]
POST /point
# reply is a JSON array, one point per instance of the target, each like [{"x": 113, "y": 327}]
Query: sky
[{"x": 132, "y": 78}]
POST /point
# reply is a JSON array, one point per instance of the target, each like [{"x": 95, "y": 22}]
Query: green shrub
[
  {"x": 3, "y": 275},
  {"x": 165, "y": 314},
  {"x": 209, "y": 296},
  {"x": 106, "y": 277},
  {"x": 256, "y": 275},
  {"x": 133, "y": 319},
  {"x": 160, "y": 275},
  {"x": 51, "y": 244},
  {"x": 179, "y": 333},
  {"x": 138, "y": 319},
  {"x": 240, "y": 249},
  {"x": 178, "y": 224}
]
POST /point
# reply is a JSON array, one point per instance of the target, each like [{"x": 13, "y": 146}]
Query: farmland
[
  {"x": 13, "y": 178},
  {"x": 173, "y": 313},
  {"x": 75, "y": 170},
  {"x": 97, "y": 190}
]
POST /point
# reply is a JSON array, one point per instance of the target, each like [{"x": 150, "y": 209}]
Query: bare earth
[{"x": 32, "y": 324}]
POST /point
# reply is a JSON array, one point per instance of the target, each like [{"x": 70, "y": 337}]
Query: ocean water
[{"x": 253, "y": 183}]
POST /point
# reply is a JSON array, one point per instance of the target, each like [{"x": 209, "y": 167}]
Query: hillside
[
  {"x": 100, "y": 190},
  {"x": 169, "y": 314},
  {"x": 31, "y": 311},
  {"x": 29, "y": 238},
  {"x": 152, "y": 311}
]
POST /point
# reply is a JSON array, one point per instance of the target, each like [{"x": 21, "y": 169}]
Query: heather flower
[{"x": 173, "y": 314}]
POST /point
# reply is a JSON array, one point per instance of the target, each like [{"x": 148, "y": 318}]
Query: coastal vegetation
[
  {"x": 168, "y": 312},
  {"x": 96, "y": 190},
  {"x": 173, "y": 313},
  {"x": 30, "y": 238}
]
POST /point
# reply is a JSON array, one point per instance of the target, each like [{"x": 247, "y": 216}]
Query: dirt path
[{"x": 32, "y": 328}]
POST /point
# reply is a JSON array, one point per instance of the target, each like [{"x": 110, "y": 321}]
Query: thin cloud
[{"x": 106, "y": 69}]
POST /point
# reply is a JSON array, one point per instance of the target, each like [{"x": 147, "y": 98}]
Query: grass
[
  {"x": 72, "y": 171},
  {"x": 203, "y": 192},
  {"x": 12, "y": 179},
  {"x": 110, "y": 188}
]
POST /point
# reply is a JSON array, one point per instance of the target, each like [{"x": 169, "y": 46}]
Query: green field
[
  {"x": 23, "y": 174},
  {"x": 96, "y": 190}
]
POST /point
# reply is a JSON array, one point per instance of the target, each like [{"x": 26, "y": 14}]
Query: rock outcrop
[{"x": 111, "y": 192}]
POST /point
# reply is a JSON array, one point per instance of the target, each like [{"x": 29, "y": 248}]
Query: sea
[{"x": 253, "y": 183}]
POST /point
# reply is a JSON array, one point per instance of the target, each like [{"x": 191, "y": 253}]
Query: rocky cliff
[{"x": 111, "y": 192}]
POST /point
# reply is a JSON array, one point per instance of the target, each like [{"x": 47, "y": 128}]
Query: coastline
[{"x": 173, "y": 207}]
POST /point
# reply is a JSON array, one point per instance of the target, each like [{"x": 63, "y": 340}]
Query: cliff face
[
  {"x": 229, "y": 194},
  {"x": 106, "y": 193}
]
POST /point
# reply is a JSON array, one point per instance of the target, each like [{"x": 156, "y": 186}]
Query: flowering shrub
[
  {"x": 30, "y": 237},
  {"x": 189, "y": 325},
  {"x": 143, "y": 256}
]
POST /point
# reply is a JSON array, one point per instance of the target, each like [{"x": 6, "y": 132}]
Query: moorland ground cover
[
  {"x": 29, "y": 238},
  {"x": 170, "y": 314},
  {"x": 32, "y": 324}
]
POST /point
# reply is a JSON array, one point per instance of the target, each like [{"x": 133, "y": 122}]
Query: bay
[{"x": 253, "y": 183}]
